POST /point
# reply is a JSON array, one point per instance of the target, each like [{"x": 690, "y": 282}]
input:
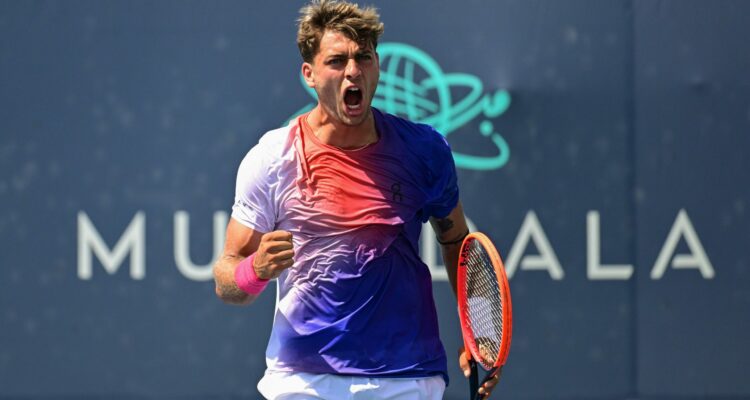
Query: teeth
[{"x": 355, "y": 91}]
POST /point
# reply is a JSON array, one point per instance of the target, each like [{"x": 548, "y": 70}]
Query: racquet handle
[
  {"x": 491, "y": 374},
  {"x": 473, "y": 380}
]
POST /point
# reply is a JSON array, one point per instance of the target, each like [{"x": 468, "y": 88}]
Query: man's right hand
[{"x": 275, "y": 254}]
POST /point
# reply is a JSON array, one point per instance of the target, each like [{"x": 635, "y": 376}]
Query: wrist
[{"x": 246, "y": 278}]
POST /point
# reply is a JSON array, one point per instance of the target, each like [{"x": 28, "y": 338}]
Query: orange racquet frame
[{"x": 463, "y": 309}]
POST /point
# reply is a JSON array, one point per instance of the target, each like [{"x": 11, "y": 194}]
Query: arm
[
  {"x": 450, "y": 232},
  {"x": 274, "y": 254},
  {"x": 240, "y": 243}
]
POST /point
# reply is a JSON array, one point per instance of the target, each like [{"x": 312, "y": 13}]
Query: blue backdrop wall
[{"x": 601, "y": 144}]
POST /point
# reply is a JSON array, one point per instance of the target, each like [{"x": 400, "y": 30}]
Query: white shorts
[{"x": 303, "y": 386}]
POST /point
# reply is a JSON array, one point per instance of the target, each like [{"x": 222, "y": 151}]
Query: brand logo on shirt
[
  {"x": 396, "y": 190},
  {"x": 412, "y": 85}
]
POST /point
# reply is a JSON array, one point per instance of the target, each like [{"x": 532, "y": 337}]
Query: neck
[{"x": 335, "y": 133}]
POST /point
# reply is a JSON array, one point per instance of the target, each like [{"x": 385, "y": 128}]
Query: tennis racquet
[{"x": 484, "y": 308}]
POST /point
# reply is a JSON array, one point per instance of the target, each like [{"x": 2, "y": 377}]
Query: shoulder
[
  {"x": 275, "y": 142},
  {"x": 418, "y": 137},
  {"x": 272, "y": 146},
  {"x": 271, "y": 153}
]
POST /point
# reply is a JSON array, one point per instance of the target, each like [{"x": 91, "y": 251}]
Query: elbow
[
  {"x": 226, "y": 289},
  {"x": 233, "y": 297},
  {"x": 220, "y": 293}
]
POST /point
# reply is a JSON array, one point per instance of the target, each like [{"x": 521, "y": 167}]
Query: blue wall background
[{"x": 632, "y": 109}]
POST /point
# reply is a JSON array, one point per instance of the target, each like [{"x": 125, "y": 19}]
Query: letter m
[{"x": 132, "y": 242}]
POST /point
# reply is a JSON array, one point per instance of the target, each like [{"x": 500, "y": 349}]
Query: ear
[{"x": 308, "y": 75}]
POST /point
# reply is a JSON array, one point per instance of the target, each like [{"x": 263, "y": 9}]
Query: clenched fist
[{"x": 275, "y": 254}]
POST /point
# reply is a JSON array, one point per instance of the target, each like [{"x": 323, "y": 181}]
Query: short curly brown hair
[{"x": 359, "y": 24}]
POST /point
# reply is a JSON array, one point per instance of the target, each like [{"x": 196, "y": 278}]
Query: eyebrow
[{"x": 343, "y": 54}]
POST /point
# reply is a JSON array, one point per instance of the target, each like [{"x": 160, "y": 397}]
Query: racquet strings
[{"x": 485, "y": 306}]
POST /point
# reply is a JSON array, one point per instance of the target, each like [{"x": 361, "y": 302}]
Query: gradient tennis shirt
[{"x": 358, "y": 300}]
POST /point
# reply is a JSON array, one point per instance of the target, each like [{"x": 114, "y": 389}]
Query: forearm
[
  {"x": 450, "y": 259},
  {"x": 451, "y": 231},
  {"x": 226, "y": 286}
]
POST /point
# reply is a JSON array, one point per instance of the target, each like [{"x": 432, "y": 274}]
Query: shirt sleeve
[
  {"x": 445, "y": 188},
  {"x": 253, "y": 198}
]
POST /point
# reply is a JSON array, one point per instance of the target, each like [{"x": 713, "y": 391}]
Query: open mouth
[{"x": 353, "y": 98}]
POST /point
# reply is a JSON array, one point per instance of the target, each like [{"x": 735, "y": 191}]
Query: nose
[{"x": 352, "y": 69}]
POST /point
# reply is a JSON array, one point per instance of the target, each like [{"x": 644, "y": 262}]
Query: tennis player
[{"x": 332, "y": 206}]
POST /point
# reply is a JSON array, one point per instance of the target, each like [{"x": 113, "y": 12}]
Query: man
[{"x": 332, "y": 206}]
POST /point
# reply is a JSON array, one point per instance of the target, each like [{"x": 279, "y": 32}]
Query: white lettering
[
  {"x": 182, "y": 246},
  {"x": 595, "y": 270},
  {"x": 697, "y": 259},
  {"x": 531, "y": 229},
  {"x": 133, "y": 241}
]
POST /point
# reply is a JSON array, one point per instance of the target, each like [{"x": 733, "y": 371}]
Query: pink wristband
[{"x": 246, "y": 278}]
